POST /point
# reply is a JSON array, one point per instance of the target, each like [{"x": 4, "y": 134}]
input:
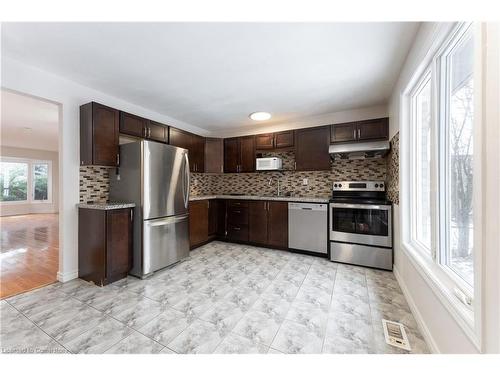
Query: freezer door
[
  {"x": 165, "y": 180},
  {"x": 165, "y": 242}
]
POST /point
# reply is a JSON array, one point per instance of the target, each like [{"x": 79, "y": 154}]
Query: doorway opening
[{"x": 29, "y": 193}]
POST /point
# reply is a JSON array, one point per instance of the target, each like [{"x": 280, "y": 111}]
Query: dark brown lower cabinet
[
  {"x": 198, "y": 222},
  {"x": 277, "y": 224},
  {"x": 104, "y": 244},
  {"x": 237, "y": 220},
  {"x": 257, "y": 222}
]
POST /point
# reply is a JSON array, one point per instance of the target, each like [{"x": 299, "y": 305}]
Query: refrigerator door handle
[
  {"x": 165, "y": 221},
  {"x": 186, "y": 180}
]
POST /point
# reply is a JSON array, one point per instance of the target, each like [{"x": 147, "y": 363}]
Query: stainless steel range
[{"x": 361, "y": 224}]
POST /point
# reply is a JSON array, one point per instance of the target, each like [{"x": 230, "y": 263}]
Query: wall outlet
[{"x": 305, "y": 181}]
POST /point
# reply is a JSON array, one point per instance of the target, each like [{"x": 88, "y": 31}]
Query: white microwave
[{"x": 268, "y": 164}]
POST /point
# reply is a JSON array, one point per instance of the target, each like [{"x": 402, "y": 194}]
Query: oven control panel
[{"x": 358, "y": 185}]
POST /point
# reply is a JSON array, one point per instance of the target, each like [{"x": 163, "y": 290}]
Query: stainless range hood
[{"x": 359, "y": 150}]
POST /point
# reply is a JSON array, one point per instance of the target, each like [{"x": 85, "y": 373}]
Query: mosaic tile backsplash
[
  {"x": 94, "y": 184},
  {"x": 94, "y": 181},
  {"x": 319, "y": 183},
  {"x": 392, "y": 182}
]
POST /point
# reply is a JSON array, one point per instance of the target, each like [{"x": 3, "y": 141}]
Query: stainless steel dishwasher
[{"x": 308, "y": 227}]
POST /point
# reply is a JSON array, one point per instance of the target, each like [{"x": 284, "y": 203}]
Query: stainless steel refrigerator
[{"x": 155, "y": 177}]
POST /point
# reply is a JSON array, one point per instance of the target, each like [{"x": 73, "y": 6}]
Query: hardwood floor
[{"x": 29, "y": 252}]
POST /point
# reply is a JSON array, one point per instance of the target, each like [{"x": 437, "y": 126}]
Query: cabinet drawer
[
  {"x": 237, "y": 232},
  {"x": 237, "y": 204},
  {"x": 237, "y": 215}
]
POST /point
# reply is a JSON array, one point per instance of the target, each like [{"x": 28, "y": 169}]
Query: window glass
[
  {"x": 13, "y": 181},
  {"x": 458, "y": 154},
  {"x": 421, "y": 103},
  {"x": 40, "y": 181}
]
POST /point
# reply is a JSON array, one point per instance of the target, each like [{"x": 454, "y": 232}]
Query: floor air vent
[{"x": 395, "y": 334}]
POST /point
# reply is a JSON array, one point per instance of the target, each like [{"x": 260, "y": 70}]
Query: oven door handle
[{"x": 362, "y": 206}]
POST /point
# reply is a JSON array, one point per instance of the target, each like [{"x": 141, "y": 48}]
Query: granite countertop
[
  {"x": 313, "y": 199},
  {"x": 106, "y": 206}
]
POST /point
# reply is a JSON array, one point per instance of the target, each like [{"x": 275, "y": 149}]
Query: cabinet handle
[
  {"x": 237, "y": 212},
  {"x": 117, "y": 159},
  {"x": 208, "y": 204},
  {"x": 359, "y": 133},
  {"x": 131, "y": 214},
  {"x": 236, "y": 228},
  {"x": 149, "y": 132},
  {"x": 144, "y": 132},
  {"x": 354, "y": 135}
]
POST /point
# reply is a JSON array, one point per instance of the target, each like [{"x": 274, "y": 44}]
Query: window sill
[{"x": 442, "y": 286}]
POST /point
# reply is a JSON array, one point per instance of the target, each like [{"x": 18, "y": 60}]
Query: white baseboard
[
  {"x": 416, "y": 314},
  {"x": 67, "y": 276}
]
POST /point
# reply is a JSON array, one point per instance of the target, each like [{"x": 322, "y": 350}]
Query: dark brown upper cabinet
[
  {"x": 311, "y": 149},
  {"x": 214, "y": 155},
  {"x": 376, "y": 129},
  {"x": 274, "y": 141},
  {"x": 140, "y": 127},
  {"x": 284, "y": 139},
  {"x": 239, "y": 154},
  {"x": 367, "y": 130},
  {"x": 264, "y": 141},
  {"x": 157, "y": 131},
  {"x": 99, "y": 133},
  {"x": 195, "y": 146}
]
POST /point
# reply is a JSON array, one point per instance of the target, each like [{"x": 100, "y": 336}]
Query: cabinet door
[
  {"x": 311, "y": 149},
  {"x": 284, "y": 139},
  {"x": 105, "y": 135},
  {"x": 132, "y": 125},
  {"x": 180, "y": 138},
  {"x": 157, "y": 132},
  {"x": 237, "y": 232},
  {"x": 264, "y": 141},
  {"x": 221, "y": 218},
  {"x": 257, "y": 222},
  {"x": 92, "y": 245},
  {"x": 197, "y": 152},
  {"x": 214, "y": 155},
  {"x": 231, "y": 155},
  {"x": 277, "y": 224},
  {"x": 247, "y": 154},
  {"x": 198, "y": 222},
  {"x": 212, "y": 217},
  {"x": 373, "y": 129},
  {"x": 118, "y": 244},
  {"x": 343, "y": 132}
]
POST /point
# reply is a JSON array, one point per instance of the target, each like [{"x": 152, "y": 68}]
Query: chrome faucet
[{"x": 278, "y": 187}]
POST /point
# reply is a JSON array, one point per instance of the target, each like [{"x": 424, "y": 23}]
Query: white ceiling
[
  {"x": 20, "y": 112},
  {"x": 212, "y": 75}
]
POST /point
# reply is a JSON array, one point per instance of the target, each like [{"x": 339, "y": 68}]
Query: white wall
[
  {"x": 442, "y": 331},
  {"x": 69, "y": 95},
  {"x": 33, "y": 208}
]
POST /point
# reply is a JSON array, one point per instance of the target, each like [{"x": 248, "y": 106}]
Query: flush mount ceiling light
[{"x": 260, "y": 116}]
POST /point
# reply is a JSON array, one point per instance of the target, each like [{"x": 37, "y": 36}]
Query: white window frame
[
  {"x": 423, "y": 79},
  {"x": 30, "y": 198},
  {"x": 441, "y": 280}
]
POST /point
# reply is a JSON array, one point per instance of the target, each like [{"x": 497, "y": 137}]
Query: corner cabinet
[
  {"x": 311, "y": 149},
  {"x": 360, "y": 131},
  {"x": 104, "y": 244},
  {"x": 239, "y": 154},
  {"x": 195, "y": 146},
  {"x": 99, "y": 133}
]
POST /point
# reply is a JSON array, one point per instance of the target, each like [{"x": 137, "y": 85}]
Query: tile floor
[{"x": 225, "y": 298}]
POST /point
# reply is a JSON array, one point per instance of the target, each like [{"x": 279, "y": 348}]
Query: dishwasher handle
[{"x": 308, "y": 206}]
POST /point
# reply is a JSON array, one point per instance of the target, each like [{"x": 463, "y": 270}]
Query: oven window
[
  {"x": 360, "y": 221},
  {"x": 343, "y": 220}
]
